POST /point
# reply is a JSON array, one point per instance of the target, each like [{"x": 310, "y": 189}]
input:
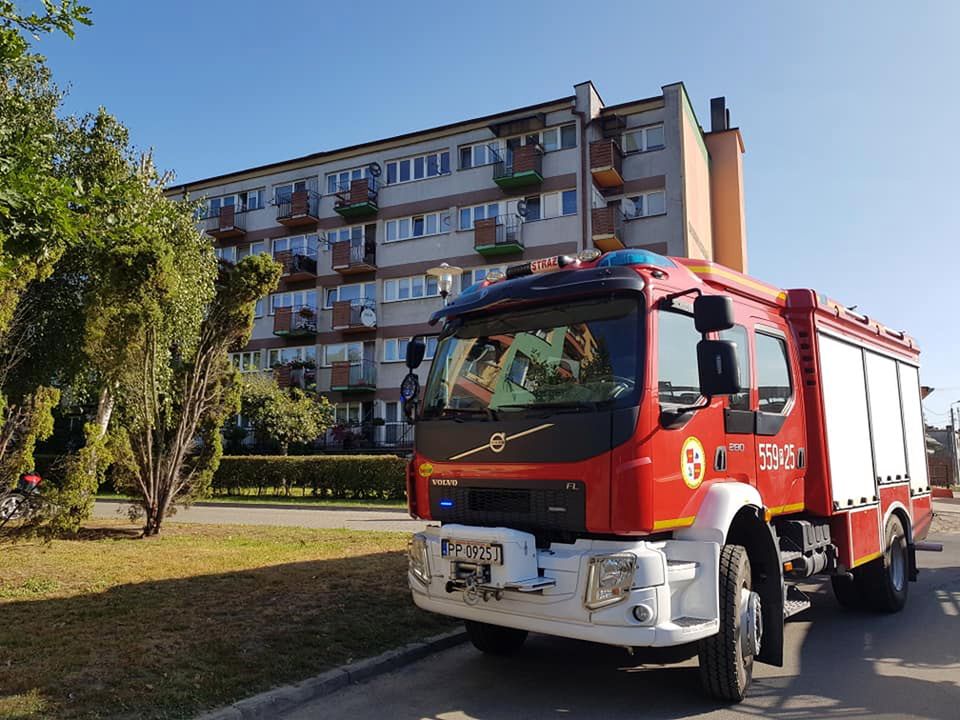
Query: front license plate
[{"x": 475, "y": 552}]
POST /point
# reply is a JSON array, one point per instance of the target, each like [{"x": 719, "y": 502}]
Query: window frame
[
  {"x": 363, "y": 171},
  {"x": 685, "y": 312},
  {"x": 336, "y": 289},
  {"x": 642, "y": 131},
  {"x": 774, "y": 333},
  {"x": 410, "y": 220},
  {"x": 409, "y": 280},
  {"x": 401, "y": 354},
  {"x": 394, "y": 167},
  {"x": 293, "y": 293},
  {"x": 242, "y": 355},
  {"x": 345, "y": 344},
  {"x": 301, "y": 351},
  {"x": 747, "y": 354},
  {"x": 645, "y": 202}
]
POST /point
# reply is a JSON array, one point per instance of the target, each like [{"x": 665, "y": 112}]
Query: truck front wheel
[
  {"x": 726, "y": 659},
  {"x": 493, "y": 639}
]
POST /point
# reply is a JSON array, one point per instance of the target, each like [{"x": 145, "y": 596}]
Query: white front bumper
[{"x": 676, "y": 578}]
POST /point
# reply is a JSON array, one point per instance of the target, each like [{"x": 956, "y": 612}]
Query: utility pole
[{"x": 954, "y": 454}]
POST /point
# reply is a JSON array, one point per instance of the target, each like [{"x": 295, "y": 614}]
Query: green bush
[{"x": 334, "y": 476}]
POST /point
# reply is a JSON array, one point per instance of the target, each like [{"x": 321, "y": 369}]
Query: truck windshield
[{"x": 576, "y": 357}]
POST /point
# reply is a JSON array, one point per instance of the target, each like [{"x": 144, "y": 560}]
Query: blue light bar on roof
[{"x": 633, "y": 256}]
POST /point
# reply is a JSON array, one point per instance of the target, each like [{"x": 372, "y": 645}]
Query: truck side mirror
[
  {"x": 416, "y": 349},
  {"x": 719, "y": 368},
  {"x": 713, "y": 313}
]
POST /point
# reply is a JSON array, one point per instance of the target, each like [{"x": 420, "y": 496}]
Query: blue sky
[{"x": 848, "y": 110}]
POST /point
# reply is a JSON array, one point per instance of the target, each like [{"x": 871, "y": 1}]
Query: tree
[{"x": 285, "y": 416}]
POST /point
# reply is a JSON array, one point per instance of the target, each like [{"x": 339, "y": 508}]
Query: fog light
[
  {"x": 643, "y": 613},
  {"x": 418, "y": 557},
  {"x": 610, "y": 579}
]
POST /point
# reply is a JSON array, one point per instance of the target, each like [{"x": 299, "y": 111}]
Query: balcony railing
[
  {"x": 498, "y": 236},
  {"x": 608, "y": 228},
  {"x": 353, "y": 376},
  {"x": 519, "y": 167},
  {"x": 353, "y": 256},
  {"x": 354, "y": 315},
  {"x": 297, "y": 264},
  {"x": 301, "y": 207},
  {"x": 606, "y": 163},
  {"x": 303, "y": 376},
  {"x": 357, "y": 198},
  {"x": 294, "y": 321},
  {"x": 227, "y": 223}
]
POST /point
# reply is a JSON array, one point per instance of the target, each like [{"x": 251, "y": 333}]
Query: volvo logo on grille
[
  {"x": 498, "y": 441},
  {"x": 445, "y": 481}
]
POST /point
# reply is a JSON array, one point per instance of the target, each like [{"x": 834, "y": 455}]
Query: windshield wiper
[
  {"x": 457, "y": 414},
  {"x": 552, "y": 408}
]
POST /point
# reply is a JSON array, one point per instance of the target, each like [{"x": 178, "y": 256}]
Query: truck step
[{"x": 795, "y": 601}]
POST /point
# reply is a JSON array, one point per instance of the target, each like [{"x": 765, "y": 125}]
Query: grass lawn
[
  {"x": 113, "y": 626},
  {"x": 295, "y": 498}
]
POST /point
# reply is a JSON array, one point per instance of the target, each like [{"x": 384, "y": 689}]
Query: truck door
[
  {"x": 738, "y": 453},
  {"x": 686, "y": 440},
  {"x": 778, "y": 426}
]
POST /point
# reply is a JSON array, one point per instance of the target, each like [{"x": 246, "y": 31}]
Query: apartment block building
[{"x": 357, "y": 227}]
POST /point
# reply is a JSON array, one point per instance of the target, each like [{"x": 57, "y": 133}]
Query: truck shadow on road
[{"x": 839, "y": 664}]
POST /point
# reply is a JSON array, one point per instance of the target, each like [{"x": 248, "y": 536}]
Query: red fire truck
[{"x": 647, "y": 451}]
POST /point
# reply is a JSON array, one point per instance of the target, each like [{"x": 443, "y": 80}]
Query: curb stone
[{"x": 272, "y": 703}]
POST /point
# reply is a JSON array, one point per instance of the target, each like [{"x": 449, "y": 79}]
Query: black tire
[
  {"x": 724, "y": 671},
  {"x": 848, "y": 591},
  {"x": 493, "y": 639},
  {"x": 886, "y": 579},
  {"x": 11, "y": 506}
]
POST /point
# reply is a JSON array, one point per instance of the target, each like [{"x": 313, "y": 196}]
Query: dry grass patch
[{"x": 113, "y": 626}]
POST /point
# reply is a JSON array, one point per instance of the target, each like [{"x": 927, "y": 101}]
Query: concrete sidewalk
[{"x": 387, "y": 519}]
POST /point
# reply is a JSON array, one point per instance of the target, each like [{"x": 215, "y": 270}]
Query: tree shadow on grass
[{"x": 172, "y": 648}]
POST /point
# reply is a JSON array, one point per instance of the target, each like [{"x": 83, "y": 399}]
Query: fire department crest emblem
[{"x": 692, "y": 462}]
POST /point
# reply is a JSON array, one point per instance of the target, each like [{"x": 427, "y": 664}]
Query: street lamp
[{"x": 445, "y": 275}]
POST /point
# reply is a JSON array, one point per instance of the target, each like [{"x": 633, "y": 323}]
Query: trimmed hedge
[{"x": 336, "y": 476}]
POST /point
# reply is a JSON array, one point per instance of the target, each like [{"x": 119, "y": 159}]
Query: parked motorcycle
[{"x": 18, "y": 500}]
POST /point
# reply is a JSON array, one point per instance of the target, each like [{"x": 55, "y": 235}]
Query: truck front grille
[{"x": 521, "y": 504}]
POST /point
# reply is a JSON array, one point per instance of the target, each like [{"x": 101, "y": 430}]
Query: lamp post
[{"x": 446, "y": 275}]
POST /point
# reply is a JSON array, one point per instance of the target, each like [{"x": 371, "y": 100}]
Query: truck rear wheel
[
  {"x": 493, "y": 639},
  {"x": 726, "y": 659},
  {"x": 848, "y": 591},
  {"x": 885, "y": 580}
]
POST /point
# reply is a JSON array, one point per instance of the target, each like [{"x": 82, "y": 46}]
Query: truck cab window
[
  {"x": 677, "y": 374},
  {"x": 773, "y": 373},
  {"x": 738, "y": 335}
]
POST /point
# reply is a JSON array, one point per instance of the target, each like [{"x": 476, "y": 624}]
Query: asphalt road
[
  {"x": 839, "y": 664},
  {"x": 388, "y": 519}
]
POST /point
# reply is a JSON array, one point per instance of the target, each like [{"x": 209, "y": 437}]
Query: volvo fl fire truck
[{"x": 648, "y": 451}]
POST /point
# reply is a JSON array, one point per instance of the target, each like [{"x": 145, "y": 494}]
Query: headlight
[
  {"x": 419, "y": 559},
  {"x": 610, "y": 579}
]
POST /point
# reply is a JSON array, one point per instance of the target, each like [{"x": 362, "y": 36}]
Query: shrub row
[{"x": 336, "y": 476}]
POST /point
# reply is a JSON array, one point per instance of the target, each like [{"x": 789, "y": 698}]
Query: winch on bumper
[{"x": 635, "y": 593}]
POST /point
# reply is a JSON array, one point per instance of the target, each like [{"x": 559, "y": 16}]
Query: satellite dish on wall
[
  {"x": 374, "y": 169},
  {"x": 368, "y": 317}
]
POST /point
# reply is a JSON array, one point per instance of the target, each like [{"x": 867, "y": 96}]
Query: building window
[
  {"x": 394, "y": 424},
  {"x": 643, "y": 139},
  {"x": 773, "y": 374},
  {"x": 342, "y": 352},
  {"x": 474, "y": 155},
  {"x": 470, "y": 277},
  {"x": 227, "y": 254},
  {"x": 568, "y": 202},
  {"x": 357, "y": 291},
  {"x": 646, "y": 204},
  {"x": 283, "y": 193},
  {"x": 350, "y": 413},
  {"x": 342, "y": 179},
  {"x": 416, "y": 226},
  {"x": 300, "y": 299},
  {"x": 246, "y": 362},
  {"x": 479, "y": 154},
  {"x": 242, "y": 202},
  {"x": 417, "y": 168},
  {"x": 410, "y": 288},
  {"x": 305, "y": 245},
  {"x": 395, "y": 349},
  {"x": 469, "y": 215},
  {"x": 355, "y": 233},
  {"x": 287, "y": 355},
  {"x": 258, "y": 309},
  {"x": 254, "y": 248},
  {"x": 559, "y": 138}
]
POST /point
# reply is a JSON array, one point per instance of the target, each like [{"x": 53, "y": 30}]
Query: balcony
[
  {"x": 498, "y": 236},
  {"x": 354, "y": 315},
  {"x": 299, "y": 375},
  {"x": 357, "y": 376},
  {"x": 522, "y": 167},
  {"x": 301, "y": 207},
  {"x": 228, "y": 223},
  {"x": 358, "y": 198},
  {"x": 608, "y": 228},
  {"x": 353, "y": 256},
  {"x": 297, "y": 265},
  {"x": 606, "y": 163},
  {"x": 295, "y": 321}
]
